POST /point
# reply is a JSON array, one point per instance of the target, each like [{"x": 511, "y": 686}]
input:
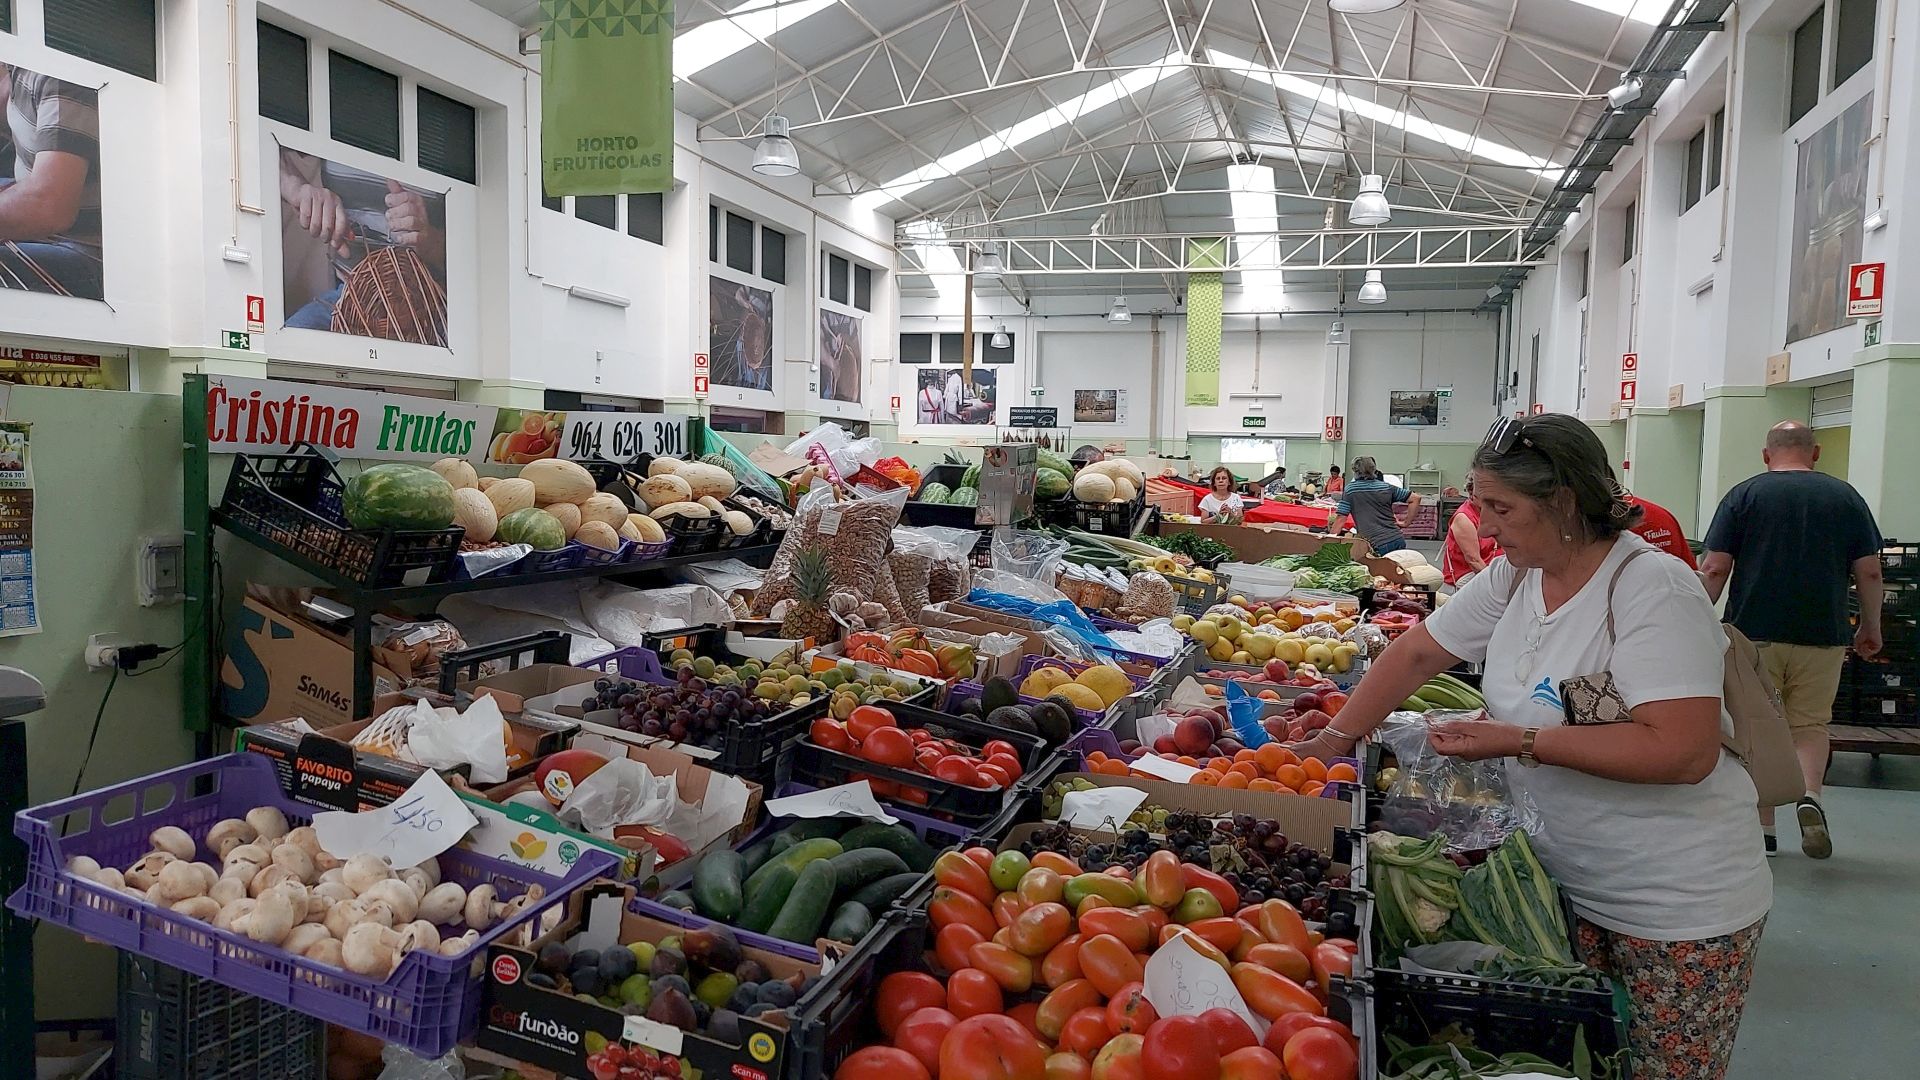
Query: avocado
[
  {"x": 1055, "y": 724},
  {"x": 967, "y": 706},
  {"x": 1013, "y": 718},
  {"x": 998, "y": 694}
]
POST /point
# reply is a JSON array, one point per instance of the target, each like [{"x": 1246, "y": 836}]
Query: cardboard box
[
  {"x": 550, "y": 1029},
  {"x": 1322, "y": 824},
  {"x": 531, "y": 836},
  {"x": 539, "y": 689},
  {"x": 281, "y": 667},
  {"x": 958, "y": 616}
]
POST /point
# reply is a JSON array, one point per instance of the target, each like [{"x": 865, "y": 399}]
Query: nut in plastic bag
[{"x": 1472, "y": 802}]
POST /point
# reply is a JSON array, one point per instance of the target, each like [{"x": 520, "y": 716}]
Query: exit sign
[
  {"x": 1253, "y": 421},
  {"x": 237, "y": 339}
]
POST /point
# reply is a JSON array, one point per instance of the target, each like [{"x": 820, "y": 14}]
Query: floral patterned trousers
[{"x": 1687, "y": 997}]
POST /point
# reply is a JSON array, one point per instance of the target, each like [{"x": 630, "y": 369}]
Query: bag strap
[{"x": 1615, "y": 580}]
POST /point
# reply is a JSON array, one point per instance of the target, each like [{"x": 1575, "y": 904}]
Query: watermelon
[
  {"x": 534, "y": 527},
  {"x": 1051, "y": 484},
  {"x": 396, "y": 496},
  {"x": 934, "y": 493},
  {"x": 1047, "y": 459},
  {"x": 965, "y": 496},
  {"x": 970, "y": 478}
]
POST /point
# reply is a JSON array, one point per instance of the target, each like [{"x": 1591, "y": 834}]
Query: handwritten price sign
[{"x": 427, "y": 819}]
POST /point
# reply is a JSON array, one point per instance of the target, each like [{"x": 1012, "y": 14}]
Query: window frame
[
  {"x": 147, "y": 66},
  {"x": 336, "y": 60},
  {"x": 422, "y": 95},
  {"x": 1629, "y": 234},
  {"x": 305, "y": 123},
  {"x": 1816, "y": 24}
]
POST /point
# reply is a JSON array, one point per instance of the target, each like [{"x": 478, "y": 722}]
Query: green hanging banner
[
  {"x": 1205, "y": 298},
  {"x": 606, "y": 97}
]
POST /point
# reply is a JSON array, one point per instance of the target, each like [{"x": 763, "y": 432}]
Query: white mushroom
[
  {"x": 269, "y": 876},
  {"x": 416, "y": 880},
  {"x": 180, "y": 880},
  {"x": 133, "y": 892},
  {"x": 173, "y": 840},
  {"x": 397, "y": 896},
  {"x": 233, "y": 911},
  {"x": 156, "y": 897},
  {"x": 481, "y": 911},
  {"x": 325, "y": 951},
  {"x": 207, "y": 874},
  {"x": 110, "y": 877},
  {"x": 326, "y": 862},
  {"x": 294, "y": 858},
  {"x": 443, "y": 903},
  {"x": 419, "y": 935},
  {"x": 273, "y": 917},
  {"x": 245, "y": 861},
  {"x": 143, "y": 874},
  {"x": 83, "y": 866},
  {"x": 332, "y": 873},
  {"x": 303, "y": 838},
  {"x": 304, "y": 937},
  {"x": 369, "y": 949},
  {"x": 431, "y": 868},
  {"x": 378, "y": 911},
  {"x": 204, "y": 908},
  {"x": 227, "y": 889},
  {"x": 362, "y": 872},
  {"x": 342, "y": 917},
  {"x": 227, "y": 835},
  {"x": 268, "y": 822},
  {"x": 454, "y": 946},
  {"x": 333, "y": 892}
]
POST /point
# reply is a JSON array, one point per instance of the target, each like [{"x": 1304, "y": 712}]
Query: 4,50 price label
[{"x": 624, "y": 436}]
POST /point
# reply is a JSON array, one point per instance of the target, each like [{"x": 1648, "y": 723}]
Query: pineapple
[{"x": 807, "y": 615}]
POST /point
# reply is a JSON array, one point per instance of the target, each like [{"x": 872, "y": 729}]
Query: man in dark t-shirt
[{"x": 1790, "y": 539}]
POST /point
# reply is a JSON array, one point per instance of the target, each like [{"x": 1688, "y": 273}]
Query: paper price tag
[
  {"x": 1161, "y": 769},
  {"x": 427, "y": 819},
  {"x": 653, "y": 1035},
  {"x": 1101, "y": 807},
  {"x": 1181, "y": 982},
  {"x": 829, "y": 521},
  {"x": 847, "y": 800}
]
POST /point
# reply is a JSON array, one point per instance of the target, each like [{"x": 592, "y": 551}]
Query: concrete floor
[{"x": 1836, "y": 992}]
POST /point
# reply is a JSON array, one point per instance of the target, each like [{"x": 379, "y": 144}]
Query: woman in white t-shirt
[
  {"x": 1649, "y": 824},
  {"x": 1222, "y": 505}
]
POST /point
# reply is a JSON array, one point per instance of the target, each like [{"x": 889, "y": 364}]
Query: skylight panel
[{"x": 750, "y": 23}]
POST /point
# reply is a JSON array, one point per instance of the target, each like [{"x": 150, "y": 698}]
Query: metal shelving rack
[{"x": 200, "y": 615}]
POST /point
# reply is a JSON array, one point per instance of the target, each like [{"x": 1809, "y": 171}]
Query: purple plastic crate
[
  {"x": 1033, "y": 663},
  {"x": 641, "y": 552},
  {"x": 588, "y": 555},
  {"x": 1101, "y": 622},
  {"x": 633, "y": 662},
  {"x": 938, "y": 834},
  {"x": 427, "y": 1005}
]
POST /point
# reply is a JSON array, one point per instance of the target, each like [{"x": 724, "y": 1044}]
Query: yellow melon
[{"x": 1108, "y": 681}]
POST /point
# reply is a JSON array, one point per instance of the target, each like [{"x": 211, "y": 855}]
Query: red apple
[{"x": 1306, "y": 702}]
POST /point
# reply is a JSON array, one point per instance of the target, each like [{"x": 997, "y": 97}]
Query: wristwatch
[{"x": 1526, "y": 748}]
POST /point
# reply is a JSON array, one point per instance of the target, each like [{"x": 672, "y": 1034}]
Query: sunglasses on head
[{"x": 1505, "y": 434}]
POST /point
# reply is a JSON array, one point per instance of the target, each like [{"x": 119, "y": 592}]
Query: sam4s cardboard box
[{"x": 282, "y": 667}]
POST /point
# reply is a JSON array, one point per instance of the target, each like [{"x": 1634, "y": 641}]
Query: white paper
[
  {"x": 445, "y": 739},
  {"x": 653, "y": 1035},
  {"x": 1101, "y": 807},
  {"x": 1160, "y": 768},
  {"x": 1182, "y": 982},
  {"x": 847, "y": 800},
  {"x": 427, "y": 819},
  {"x": 1149, "y": 728}
]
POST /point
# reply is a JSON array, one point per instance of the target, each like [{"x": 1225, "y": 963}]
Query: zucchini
[
  {"x": 677, "y": 900},
  {"x": 861, "y": 867},
  {"x": 764, "y": 903},
  {"x": 756, "y": 854},
  {"x": 801, "y": 916},
  {"x": 794, "y": 858},
  {"x": 717, "y": 891},
  {"x": 851, "y": 922},
  {"x": 881, "y": 894},
  {"x": 898, "y": 839}
]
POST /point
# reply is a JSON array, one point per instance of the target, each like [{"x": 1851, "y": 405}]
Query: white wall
[{"x": 1423, "y": 352}]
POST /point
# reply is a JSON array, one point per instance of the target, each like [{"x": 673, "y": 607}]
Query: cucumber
[
  {"x": 716, "y": 885},
  {"x": 756, "y": 854},
  {"x": 856, "y": 869},
  {"x": 895, "y": 838},
  {"x": 677, "y": 900},
  {"x": 806, "y": 907},
  {"x": 851, "y": 922},
  {"x": 764, "y": 903},
  {"x": 881, "y": 894},
  {"x": 794, "y": 858}
]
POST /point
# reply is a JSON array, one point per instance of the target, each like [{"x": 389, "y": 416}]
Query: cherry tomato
[
  {"x": 888, "y": 746},
  {"x": 1180, "y": 1048},
  {"x": 927, "y": 757},
  {"x": 950, "y": 945},
  {"x": 905, "y": 992},
  {"x": 1318, "y": 1054},
  {"x": 955, "y": 769},
  {"x": 864, "y": 720},
  {"x": 922, "y": 1031},
  {"x": 919, "y": 735},
  {"x": 881, "y": 1063},
  {"x": 972, "y": 992},
  {"x": 830, "y": 735},
  {"x": 912, "y": 796}
]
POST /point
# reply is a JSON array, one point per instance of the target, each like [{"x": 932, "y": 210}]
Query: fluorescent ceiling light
[
  {"x": 748, "y": 24},
  {"x": 1256, "y": 213},
  {"x": 1008, "y": 138},
  {"x": 1645, "y": 11},
  {"x": 1417, "y": 126}
]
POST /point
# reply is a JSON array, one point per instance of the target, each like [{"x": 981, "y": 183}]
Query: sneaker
[
  {"x": 1814, "y": 839},
  {"x": 1773, "y": 845}
]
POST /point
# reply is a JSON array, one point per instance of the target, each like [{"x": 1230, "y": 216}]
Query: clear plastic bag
[
  {"x": 854, "y": 531},
  {"x": 1471, "y": 802},
  {"x": 1033, "y": 555}
]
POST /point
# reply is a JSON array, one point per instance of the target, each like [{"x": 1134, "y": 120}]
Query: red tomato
[
  {"x": 1272, "y": 995},
  {"x": 981, "y": 855},
  {"x": 830, "y": 734},
  {"x": 955, "y": 769},
  {"x": 1230, "y": 1032},
  {"x": 1120, "y": 1060},
  {"x": 1284, "y": 959},
  {"x": 1250, "y": 1063},
  {"x": 1011, "y": 970},
  {"x": 1028, "y": 1013},
  {"x": 1008, "y": 762},
  {"x": 998, "y": 746},
  {"x": 919, "y": 735},
  {"x": 1318, "y": 1054},
  {"x": 881, "y": 1063},
  {"x": 1062, "y": 963},
  {"x": 1086, "y": 1031},
  {"x": 1109, "y": 963},
  {"x": 922, "y": 1032},
  {"x": 888, "y": 746},
  {"x": 1007, "y": 907},
  {"x": 905, "y": 992},
  {"x": 927, "y": 757},
  {"x": 1159, "y": 880},
  {"x": 1180, "y": 1048},
  {"x": 958, "y": 871},
  {"x": 992, "y": 776},
  {"x": 864, "y": 720},
  {"x": 972, "y": 992},
  {"x": 1127, "y": 925},
  {"x": 1040, "y": 927},
  {"x": 1068, "y": 1066},
  {"x": 950, "y": 945},
  {"x": 1281, "y": 923},
  {"x": 1292, "y": 1024},
  {"x": 1330, "y": 960},
  {"x": 950, "y": 905},
  {"x": 992, "y": 1048},
  {"x": 912, "y": 796},
  {"x": 1221, "y": 933},
  {"x": 1196, "y": 877},
  {"x": 1130, "y": 1011}
]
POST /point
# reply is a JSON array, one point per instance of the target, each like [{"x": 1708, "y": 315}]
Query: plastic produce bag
[
  {"x": 625, "y": 616},
  {"x": 1471, "y": 802},
  {"x": 916, "y": 550},
  {"x": 621, "y": 792},
  {"x": 399, "y": 1064},
  {"x": 745, "y": 471},
  {"x": 487, "y": 560},
  {"x": 444, "y": 739},
  {"x": 832, "y": 445},
  {"x": 1034, "y": 555},
  {"x": 1156, "y": 637},
  {"x": 854, "y": 531}
]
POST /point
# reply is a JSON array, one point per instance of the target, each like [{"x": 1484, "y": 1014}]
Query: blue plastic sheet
[
  {"x": 1244, "y": 710},
  {"x": 1062, "y": 614}
]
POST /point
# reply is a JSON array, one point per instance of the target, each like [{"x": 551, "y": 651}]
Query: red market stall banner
[{"x": 262, "y": 416}]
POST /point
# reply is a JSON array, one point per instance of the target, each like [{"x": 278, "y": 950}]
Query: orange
[
  {"x": 1288, "y": 757},
  {"x": 1244, "y": 754},
  {"x": 1234, "y": 780},
  {"x": 1261, "y": 783},
  {"x": 1291, "y": 776},
  {"x": 1096, "y": 757},
  {"x": 1313, "y": 788},
  {"x": 1314, "y": 768},
  {"x": 1205, "y": 778},
  {"x": 1270, "y": 756},
  {"x": 1340, "y": 770},
  {"x": 1114, "y": 767}
]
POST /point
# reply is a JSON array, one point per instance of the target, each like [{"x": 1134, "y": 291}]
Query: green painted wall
[
  {"x": 1663, "y": 454},
  {"x": 1886, "y": 395},
  {"x": 1836, "y": 448},
  {"x": 106, "y": 473},
  {"x": 1734, "y": 432}
]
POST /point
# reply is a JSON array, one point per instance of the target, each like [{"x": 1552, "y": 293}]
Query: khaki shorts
[{"x": 1808, "y": 677}]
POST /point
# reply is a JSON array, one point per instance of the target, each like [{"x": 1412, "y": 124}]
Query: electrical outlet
[
  {"x": 161, "y": 571},
  {"x": 101, "y": 649}
]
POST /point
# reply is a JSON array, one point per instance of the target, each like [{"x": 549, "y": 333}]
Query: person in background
[
  {"x": 1335, "y": 482},
  {"x": 1087, "y": 455},
  {"x": 1370, "y": 499},
  {"x": 1790, "y": 539},
  {"x": 1274, "y": 483},
  {"x": 1222, "y": 505},
  {"x": 1660, "y": 528},
  {"x": 931, "y": 404},
  {"x": 1647, "y": 821},
  {"x": 1466, "y": 553}
]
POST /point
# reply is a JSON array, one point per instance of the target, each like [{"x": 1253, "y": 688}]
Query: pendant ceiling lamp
[
  {"x": 1370, "y": 206},
  {"x": 1373, "y": 290},
  {"x": 999, "y": 339},
  {"x": 1118, "y": 313},
  {"x": 989, "y": 264},
  {"x": 776, "y": 155}
]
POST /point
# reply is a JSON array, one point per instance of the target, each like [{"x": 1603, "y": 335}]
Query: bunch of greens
[
  {"x": 1204, "y": 551},
  {"x": 1452, "y": 1056},
  {"x": 1331, "y": 568}
]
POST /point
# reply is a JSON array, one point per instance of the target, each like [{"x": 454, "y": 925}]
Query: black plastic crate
[
  {"x": 761, "y": 533},
  {"x": 824, "y": 768},
  {"x": 837, "y": 1018},
  {"x": 695, "y": 536},
  {"x": 1195, "y": 596},
  {"x": 1111, "y": 519},
  {"x": 1500, "y": 1017},
  {"x": 1880, "y": 675},
  {"x": 1883, "y": 707},
  {"x": 176, "y": 1026},
  {"x": 1900, "y": 562},
  {"x": 295, "y": 500}
]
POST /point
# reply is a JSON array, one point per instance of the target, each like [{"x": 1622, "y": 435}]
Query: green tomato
[{"x": 1007, "y": 869}]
